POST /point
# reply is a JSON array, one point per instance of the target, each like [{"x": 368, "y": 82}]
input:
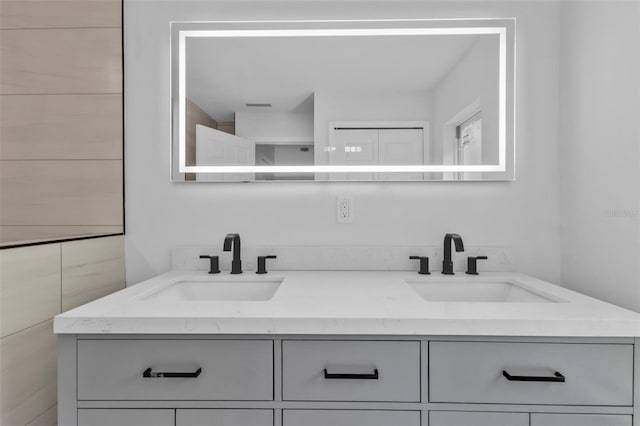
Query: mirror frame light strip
[{"x": 501, "y": 31}]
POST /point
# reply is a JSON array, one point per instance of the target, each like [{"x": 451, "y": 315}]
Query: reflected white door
[
  {"x": 401, "y": 147},
  {"x": 355, "y": 147},
  {"x": 217, "y": 148}
]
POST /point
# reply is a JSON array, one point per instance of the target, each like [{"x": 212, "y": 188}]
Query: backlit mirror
[{"x": 415, "y": 100}]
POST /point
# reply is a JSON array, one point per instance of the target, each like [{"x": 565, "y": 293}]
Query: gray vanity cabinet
[
  {"x": 224, "y": 417},
  {"x": 474, "y": 418},
  {"x": 350, "y": 418},
  {"x": 162, "y": 417},
  {"x": 580, "y": 420},
  {"x": 114, "y": 370},
  {"x": 347, "y": 381},
  {"x": 125, "y": 417},
  {"x": 380, "y": 371},
  {"x": 541, "y": 373}
]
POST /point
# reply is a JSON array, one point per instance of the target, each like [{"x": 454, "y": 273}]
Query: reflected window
[{"x": 468, "y": 150}]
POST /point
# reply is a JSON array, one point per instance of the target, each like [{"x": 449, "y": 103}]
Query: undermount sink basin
[
  {"x": 217, "y": 290},
  {"x": 466, "y": 291}
]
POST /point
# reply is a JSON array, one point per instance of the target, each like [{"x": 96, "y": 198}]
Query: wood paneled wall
[
  {"x": 227, "y": 126},
  {"x": 60, "y": 119},
  {"x": 37, "y": 283},
  {"x": 61, "y": 176}
]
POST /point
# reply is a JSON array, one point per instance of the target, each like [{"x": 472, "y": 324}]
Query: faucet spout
[
  {"x": 447, "y": 262},
  {"x": 233, "y": 241}
]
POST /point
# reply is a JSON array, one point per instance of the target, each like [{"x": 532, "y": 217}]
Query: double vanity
[{"x": 347, "y": 348}]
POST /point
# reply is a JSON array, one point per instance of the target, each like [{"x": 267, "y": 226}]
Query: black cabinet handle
[
  {"x": 557, "y": 378},
  {"x": 364, "y": 376},
  {"x": 149, "y": 373}
]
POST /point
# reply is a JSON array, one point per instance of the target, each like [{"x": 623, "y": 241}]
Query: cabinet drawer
[
  {"x": 350, "y": 418},
  {"x": 579, "y": 420},
  {"x": 228, "y": 369},
  {"x": 350, "y": 371},
  {"x": 473, "y": 372},
  {"x": 126, "y": 417},
  {"x": 224, "y": 417},
  {"x": 473, "y": 418}
]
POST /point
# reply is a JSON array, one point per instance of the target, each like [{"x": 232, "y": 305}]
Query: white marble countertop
[{"x": 348, "y": 303}]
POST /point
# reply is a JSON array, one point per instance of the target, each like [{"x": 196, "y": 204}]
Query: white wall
[
  {"x": 274, "y": 124},
  {"x": 524, "y": 214},
  {"x": 474, "y": 78},
  {"x": 600, "y": 157}
]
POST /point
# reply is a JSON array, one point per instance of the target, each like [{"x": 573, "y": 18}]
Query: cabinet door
[
  {"x": 478, "y": 372},
  {"x": 121, "y": 370},
  {"x": 580, "y": 420},
  {"x": 306, "y": 364},
  {"x": 470, "y": 418},
  {"x": 210, "y": 417},
  {"x": 350, "y": 418},
  {"x": 125, "y": 417}
]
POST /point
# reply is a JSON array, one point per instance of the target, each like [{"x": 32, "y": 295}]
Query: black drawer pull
[
  {"x": 557, "y": 378},
  {"x": 148, "y": 373},
  {"x": 365, "y": 376}
]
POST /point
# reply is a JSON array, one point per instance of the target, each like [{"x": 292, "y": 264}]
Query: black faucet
[
  {"x": 447, "y": 263},
  {"x": 236, "y": 263}
]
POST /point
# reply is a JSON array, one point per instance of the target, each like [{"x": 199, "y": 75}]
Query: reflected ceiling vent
[{"x": 257, "y": 105}]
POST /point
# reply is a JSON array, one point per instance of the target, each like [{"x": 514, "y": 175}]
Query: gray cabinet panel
[
  {"x": 580, "y": 420},
  {"x": 125, "y": 417},
  {"x": 398, "y": 365},
  {"x": 231, "y": 369},
  {"x": 350, "y": 418},
  {"x": 224, "y": 417},
  {"x": 471, "y": 372},
  {"x": 471, "y": 418}
]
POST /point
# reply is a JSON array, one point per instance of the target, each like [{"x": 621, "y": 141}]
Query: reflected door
[
  {"x": 355, "y": 147},
  {"x": 401, "y": 147},
  {"x": 217, "y": 148}
]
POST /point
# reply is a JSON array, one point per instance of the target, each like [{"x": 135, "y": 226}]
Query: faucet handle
[
  {"x": 424, "y": 264},
  {"x": 213, "y": 263},
  {"x": 262, "y": 263},
  {"x": 472, "y": 264}
]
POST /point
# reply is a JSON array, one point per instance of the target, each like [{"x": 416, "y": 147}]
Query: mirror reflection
[{"x": 358, "y": 102}]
